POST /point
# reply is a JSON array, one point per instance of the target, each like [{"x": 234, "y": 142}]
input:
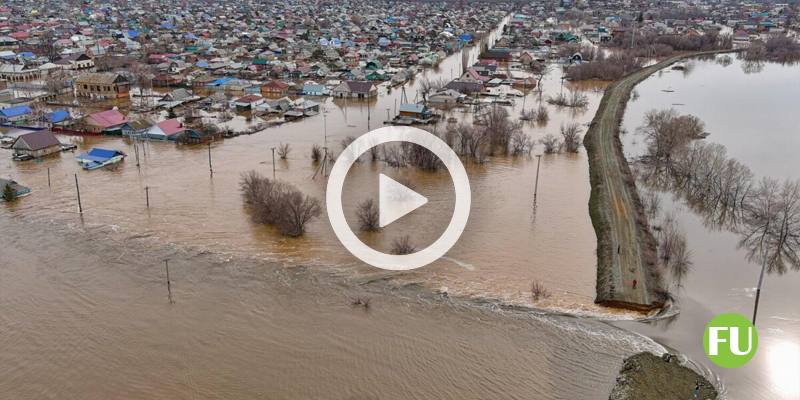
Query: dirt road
[{"x": 626, "y": 249}]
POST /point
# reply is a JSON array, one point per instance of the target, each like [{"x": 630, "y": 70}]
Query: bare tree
[
  {"x": 571, "y": 134},
  {"x": 428, "y": 86},
  {"x": 521, "y": 144},
  {"x": 771, "y": 235},
  {"x": 368, "y": 215}
]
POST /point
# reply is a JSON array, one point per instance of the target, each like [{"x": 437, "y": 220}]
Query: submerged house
[
  {"x": 18, "y": 189},
  {"x": 166, "y": 130},
  {"x": 36, "y": 144},
  {"x": 15, "y": 114},
  {"x": 102, "y": 86},
  {"x": 108, "y": 122},
  {"x": 355, "y": 89}
]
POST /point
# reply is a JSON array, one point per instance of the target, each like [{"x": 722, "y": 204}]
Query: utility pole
[
  {"x": 387, "y": 114},
  {"x": 48, "y": 177},
  {"x": 136, "y": 150},
  {"x": 758, "y": 289},
  {"x": 536, "y": 186},
  {"x": 147, "y": 195},
  {"x": 78, "y": 189},
  {"x": 169, "y": 285},
  {"x": 210, "y": 167},
  {"x": 273, "y": 163},
  {"x": 368, "y": 115}
]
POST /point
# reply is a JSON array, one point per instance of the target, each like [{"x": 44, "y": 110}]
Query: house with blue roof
[
  {"x": 14, "y": 114},
  {"x": 57, "y": 117}
]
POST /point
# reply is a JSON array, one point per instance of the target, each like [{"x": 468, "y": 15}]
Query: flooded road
[
  {"x": 508, "y": 242},
  {"x": 753, "y": 114}
]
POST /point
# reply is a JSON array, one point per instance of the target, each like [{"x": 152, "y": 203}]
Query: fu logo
[{"x": 730, "y": 340}]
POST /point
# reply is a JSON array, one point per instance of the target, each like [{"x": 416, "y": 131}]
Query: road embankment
[{"x": 628, "y": 275}]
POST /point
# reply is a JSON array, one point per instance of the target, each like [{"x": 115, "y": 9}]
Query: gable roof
[
  {"x": 360, "y": 86},
  {"x": 15, "y": 111},
  {"x": 171, "y": 126},
  {"x": 38, "y": 140},
  {"x": 107, "y": 119},
  {"x": 101, "y": 78}
]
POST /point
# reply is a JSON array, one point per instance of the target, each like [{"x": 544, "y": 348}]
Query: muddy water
[
  {"x": 754, "y": 115},
  {"x": 508, "y": 242},
  {"x": 85, "y": 315}
]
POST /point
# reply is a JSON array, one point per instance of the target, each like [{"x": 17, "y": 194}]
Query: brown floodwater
[
  {"x": 508, "y": 243},
  {"x": 752, "y": 111},
  {"x": 85, "y": 310},
  {"x": 85, "y": 315}
]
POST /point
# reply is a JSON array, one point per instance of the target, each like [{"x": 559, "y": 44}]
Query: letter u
[{"x": 735, "y": 341}]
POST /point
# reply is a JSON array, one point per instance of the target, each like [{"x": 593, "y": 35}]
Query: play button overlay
[{"x": 396, "y": 200}]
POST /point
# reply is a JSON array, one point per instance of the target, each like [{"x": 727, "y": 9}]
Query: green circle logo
[{"x": 730, "y": 340}]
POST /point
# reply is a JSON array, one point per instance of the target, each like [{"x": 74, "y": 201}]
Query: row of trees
[
  {"x": 777, "y": 48},
  {"x": 765, "y": 213},
  {"x": 606, "y": 68}
]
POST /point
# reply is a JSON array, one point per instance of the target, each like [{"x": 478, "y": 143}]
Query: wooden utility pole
[
  {"x": 210, "y": 167},
  {"x": 136, "y": 151},
  {"x": 48, "y": 177},
  {"x": 147, "y": 195},
  {"x": 78, "y": 189},
  {"x": 536, "y": 186},
  {"x": 273, "y": 163},
  {"x": 169, "y": 285}
]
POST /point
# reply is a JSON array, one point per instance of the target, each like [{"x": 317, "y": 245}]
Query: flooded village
[{"x": 618, "y": 153}]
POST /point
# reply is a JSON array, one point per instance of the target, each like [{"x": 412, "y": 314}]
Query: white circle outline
[{"x": 394, "y": 262}]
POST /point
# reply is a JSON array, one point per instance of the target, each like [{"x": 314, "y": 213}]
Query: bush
[
  {"x": 402, "y": 245},
  {"x": 283, "y": 150},
  {"x": 316, "y": 153},
  {"x": 551, "y": 143},
  {"x": 539, "y": 291},
  {"x": 278, "y": 203},
  {"x": 368, "y": 215},
  {"x": 575, "y": 99}
]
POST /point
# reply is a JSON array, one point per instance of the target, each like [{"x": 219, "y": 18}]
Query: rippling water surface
[{"x": 753, "y": 112}]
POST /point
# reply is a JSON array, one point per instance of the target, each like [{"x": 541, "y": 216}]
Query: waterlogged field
[{"x": 750, "y": 110}]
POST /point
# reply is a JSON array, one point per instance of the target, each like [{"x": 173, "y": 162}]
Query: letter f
[{"x": 714, "y": 340}]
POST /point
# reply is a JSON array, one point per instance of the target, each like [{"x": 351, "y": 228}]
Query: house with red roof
[
  {"x": 166, "y": 130},
  {"x": 108, "y": 122}
]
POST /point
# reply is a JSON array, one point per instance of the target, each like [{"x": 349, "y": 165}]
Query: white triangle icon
[{"x": 396, "y": 200}]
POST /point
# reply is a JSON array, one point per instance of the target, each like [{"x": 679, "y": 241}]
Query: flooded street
[
  {"x": 508, "y": 242},
  {"x": 752, "y": 112}
]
